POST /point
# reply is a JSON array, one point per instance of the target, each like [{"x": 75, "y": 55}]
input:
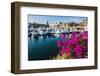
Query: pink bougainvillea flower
[
  {"x": 59, "y": 43},
  {"x": 79, "y": 50},
  {"x": 65, "y": 49},
  {"x": 73, "y": 42},
  {"x": 75, "y": 45},
  {"x": 63, "y": 36},
  {"x": 84, "y": 35},
  {"x": 73, "y": 35}
]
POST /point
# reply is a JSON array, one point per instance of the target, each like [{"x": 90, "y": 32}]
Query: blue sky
[{"x": 53, "y": 19}]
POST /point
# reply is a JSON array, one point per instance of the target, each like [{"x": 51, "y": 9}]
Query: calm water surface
[{"x": 42, "y": 47}]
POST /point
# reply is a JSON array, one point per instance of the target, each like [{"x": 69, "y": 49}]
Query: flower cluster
[{"x": 73, "y": 46}]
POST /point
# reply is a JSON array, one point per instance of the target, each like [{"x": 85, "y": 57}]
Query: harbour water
[{"x": 42, "y": 47}]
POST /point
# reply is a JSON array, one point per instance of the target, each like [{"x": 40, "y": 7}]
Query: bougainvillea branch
[{"x": 75, "y": 46}]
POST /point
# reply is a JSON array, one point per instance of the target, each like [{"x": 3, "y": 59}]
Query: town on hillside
[{"x": 35, "y": 29}]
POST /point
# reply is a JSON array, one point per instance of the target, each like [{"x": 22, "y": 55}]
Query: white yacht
[
  {"x": 44, "y": 32},
  {"x": 35, "y": 33}
]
